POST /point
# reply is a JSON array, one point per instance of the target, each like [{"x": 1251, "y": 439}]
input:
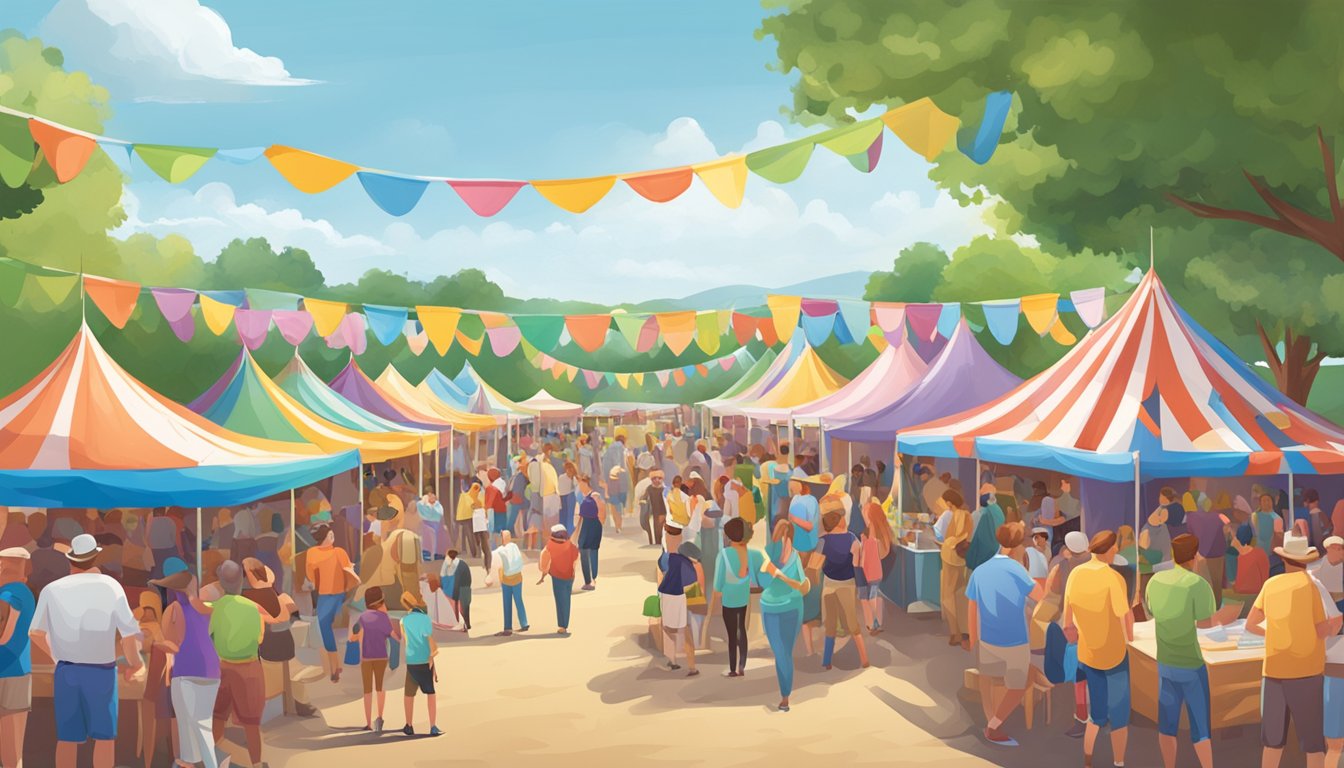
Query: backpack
[{"x": 404, "y": 547}]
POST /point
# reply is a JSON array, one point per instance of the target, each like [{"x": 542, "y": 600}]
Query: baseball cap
[
  {"x": 18, "y": 553},
  {"x": 1076, "y": 541}
]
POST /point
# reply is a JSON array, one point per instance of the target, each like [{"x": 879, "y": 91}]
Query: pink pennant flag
[
  {"x": 1090, "y": 304},
  {"x": 923, "y": 319},
  {"x": 726, "y": 363},
  {"x": 891, "y": 319},
  {"x": 174, "y": 303},
  {"x": 350, "y": 334},
  {"x": 417, "y": 342},
  {"x": 819, "y": 307},
  {"x": 504, "y": 340},
  {"x": 662, "y": 378},
  {"x": 648, "y": 335},
  {"x": 594, "y": 378},
  {"x": 183, "y": 327},
  {"x": 252, "y": 325},
  {"x": 545, "y": 362},
  {"x": 486, "y": 197},
  {"x": 294, "y": 324}
]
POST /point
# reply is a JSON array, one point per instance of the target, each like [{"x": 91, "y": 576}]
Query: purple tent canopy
[
  {"x": 963, "y": 376},
  {"x": 355, "y": 385}
]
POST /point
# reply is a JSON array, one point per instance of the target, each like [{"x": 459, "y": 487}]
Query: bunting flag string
[
  {"x": 679, "y": 375},
  {"x": 920, "y": 125}
]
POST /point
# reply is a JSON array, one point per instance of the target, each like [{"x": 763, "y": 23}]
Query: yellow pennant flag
[
  {"x": 557, "y": 371},
  {"x": 726, "y": 179},
  {"x": 1061, "y": 334},
  {"x": 639, "y": 379},
  {"x": 1041, "y": 311},
  {"x": 308, "y": 172},
  {"x": 218, "y": 315},
  {"x": 623, "y": 379},
  {"x": 440, "y": 324},
  {"x": 677, "y": 328},
  {"x": 494, "y": 319},
  {"x": 327, "y": 315},
  {"x": 707, "y": 331},
  {"x": 472, "y": 346},
  {"x": 784, "y": 311},
  {"x": 575, "y": 195},
  {"x": 571, "y": 372},
  {"x": 922, "y": 126}
]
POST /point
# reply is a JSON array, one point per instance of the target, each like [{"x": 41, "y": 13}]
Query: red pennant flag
[{"x": 588, "y": 331}]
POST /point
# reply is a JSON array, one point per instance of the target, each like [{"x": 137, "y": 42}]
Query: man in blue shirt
[
  {"x": 804, "y": 512},
  {"x": 16, "y": 679},
  {"x": 997, "y": 593}
]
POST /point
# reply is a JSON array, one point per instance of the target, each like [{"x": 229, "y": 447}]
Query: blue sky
[{"x": 491, "y": 89}]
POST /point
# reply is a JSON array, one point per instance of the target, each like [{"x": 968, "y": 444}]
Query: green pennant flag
[
  {"x": 11, "y": 282},
  {"x": 542, "y": 331},
  {"x": 783, "y": 163},
  {"x": 174, "y": 164},
  {"x": 707, "y": 332},
  {"x": 629, "y": 327},
  {"x": 44, "y": 290},
  {"x": 851, "y": 139},
  {"x": 261, "y": 298},
  {"x": 17, "y": 150}
]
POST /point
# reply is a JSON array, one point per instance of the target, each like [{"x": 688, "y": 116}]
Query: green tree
[
  {"x": 916, "y": 273},
  {"x": 253, "y": 263},
  {"x": 1119, "y": 110}
]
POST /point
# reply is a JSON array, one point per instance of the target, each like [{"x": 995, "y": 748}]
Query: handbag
[
  {"x": 352, "y": 653},
  {"x": 393, "y": 654}
]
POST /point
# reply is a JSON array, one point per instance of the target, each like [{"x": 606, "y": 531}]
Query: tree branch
[
  {"x": 1313, "y": 228},
  {"x": 1213, "y": 212},
  {"x": 1331, "y": 180},
  {"x": 1271, "y": 354}
]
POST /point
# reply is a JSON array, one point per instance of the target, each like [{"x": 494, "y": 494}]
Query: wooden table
[{"x": 1234, "y": 679}]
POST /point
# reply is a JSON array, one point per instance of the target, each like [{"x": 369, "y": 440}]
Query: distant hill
[{"x": 849, "y": 285}]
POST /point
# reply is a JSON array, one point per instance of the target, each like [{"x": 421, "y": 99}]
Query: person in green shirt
[
  {"x": 237, "y": 629},
  {"x": 1179, "y": 600},
  {"x": 735, "y": 572}
]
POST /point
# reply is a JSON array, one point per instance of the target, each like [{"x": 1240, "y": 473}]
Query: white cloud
[
  {"x": 161, "y": 50},
  {"x": 832, "y": 220}
]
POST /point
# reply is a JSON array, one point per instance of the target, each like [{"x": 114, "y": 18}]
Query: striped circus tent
[
  {"x": 85, "y": 433},
  {"x": 246, "y": 400},
  {"x": 1149, "y": 394},
  {"x": 305, "y": 386},
  {"x": 425, "y": 406}
]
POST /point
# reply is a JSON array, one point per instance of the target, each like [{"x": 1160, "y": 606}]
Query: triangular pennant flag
[
  {"x": 702, "y": 369},
  {"x": 677, "y": 328},
  {"x": 679, "y": 376},
  {"x": 593, "y": 379},
  {"x": 609, "y": 377},
  {"x": 486, "y": 197},
  {"x": 417, "y": 342},
  {"x": 890, "y": 318},
  {"x": 541, "y": 331},
  {"x": 385, "y": 322},
  {"x": 252, "y": 326},
  {"x": 354, "y": 332},
  {"x": 184, "y": 328},
  {"x": 12, "y": 277},
  {"x": 504, "y": 339},
  {"x": 588, "y": 331},
  {"x": 396, "y": 195},
  {"x": 306, "y": 171},
  {"x": 744, "y": 328},
  {"x": 878, "y": 339},
  {"x": 1061, "y": 334},
  {"x": 923, "y": 319},
  {"x": 571, "y": 373},
  {"x": 494, "y": 319},
  {"x": 17, "y": 150},
  {"x": 765, "y": 327},
  {"x": 116, "y": 299},
  {"x": 922, "y": 126},
  {"x": 232, "y": 298},
  {"x": 948, "y": 319},
  {"x": 784, "y": 311},
  {"x": 818, "y": 307},
  {"x": 173, "y": 303},
  {"x": 623, "y": 380},
  {"x": 217, "y": 314},
  {"x": 707, "y": 332},
  {"x": 1090, "y": 304},
  {"x": 120, "y": 154},
  {"x": 1041, "y": 311},
  {"x": 783, "y": 163},
  {"x": 260, "y": 298},
  {"x": 65, "y": 152},
  {"x": 241, "y": 156},
  {"x": 663, "y": 376},
  {"x": 817, "y": 329},
  {"x": 629, "y": 327},
  {"x": 557, "y": 371},
  {"x": 726, "y": 363},
  {"x": 856, "y": 316},
  {"x": 575, "y": 195},
  {"x": 851, "y": 139},
  {"x": 294, "y": 324},
  {"x": 840, "y": 331},
  {"x": 660, "y": 186},
  {"x": 472, "y": 346},
  {"x": 867, "y": 161},
  {"x": 1001, "y": 318},
  {"x": 327, "y": 315},
  {"x": 726, "y": 179},
  {"x": 174, "y": 164},
  {"x": 986, "y": 140},
  {"x": 648, "y": 335},
  {"x": 440, "y": 325},
  {"x": 639, "y": 378}
]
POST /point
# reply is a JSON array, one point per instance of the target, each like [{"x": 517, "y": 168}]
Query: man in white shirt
[
  {"x": 77, "y": 621},
  {"x": 510, "y": 560},
  {"x": 1329, "y": 570}
]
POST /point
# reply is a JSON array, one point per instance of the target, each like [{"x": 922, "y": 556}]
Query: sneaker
[
  {"x": 378, "y": 725},
  {"x": 672, "y": 666},
  {"x": 434, "y": 731},
  {"x": 1077, "y": 729},
  {"x": 693, "y": 673},
  {"x": 408, "y": 730},
  {"x": 587, "y": 587},
  {"x": 524, "y": 628},
  {"x": 999, "y": 738}
]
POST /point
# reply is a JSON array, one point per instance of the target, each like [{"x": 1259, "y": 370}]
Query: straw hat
[
  {"x": 1295, "y": 548},
  {"x": 83, "y": 548}
]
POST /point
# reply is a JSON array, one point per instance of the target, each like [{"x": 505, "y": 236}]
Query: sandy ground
[{"x": 603, "y": 697}]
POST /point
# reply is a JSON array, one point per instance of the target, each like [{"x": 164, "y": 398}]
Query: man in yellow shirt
[
  {"x": 1290, "y": 614},
  {"x": 1097, "y": 617},
  {"x": 955, "y": 522}
]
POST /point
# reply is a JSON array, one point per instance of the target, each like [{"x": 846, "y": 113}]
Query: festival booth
[
  {"x": 963, "y": 374},
  {"x": 1147, "y": 397}
]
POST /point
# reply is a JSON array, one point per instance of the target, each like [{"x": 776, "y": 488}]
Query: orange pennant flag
[
  {"x": 494, "y": 319},
  {"x": 327, "y": 315},
  {"x": 677, "y": 328},
  {"x": 440, "y": 324},
  {"x": 306, "y": 171},
  {"x": 472, "y": 346},
  {"x": 660, "y": 186},
  {"x": 702, "y": 370},
  {"x": 67, "y": 153},
  {"x": 922, "y": 126},
  {"x": 588, "y": 331},
  {"x": 115, "y": 298},
  {"x": 726, "y": 179},
  {"x": 679, "y": 376},
  {"x": 784, "y": 311},
  {"x": 575, "y": 195},
  {"x": 1041, "y": 310}
]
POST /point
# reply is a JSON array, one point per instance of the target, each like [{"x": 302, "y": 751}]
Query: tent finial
[{"x": 1152, "y": 255}]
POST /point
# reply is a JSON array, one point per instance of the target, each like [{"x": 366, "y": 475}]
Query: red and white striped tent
[{"x": 1148, "y": 394}]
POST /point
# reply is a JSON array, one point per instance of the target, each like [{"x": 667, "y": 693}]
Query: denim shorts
[
  {"x": 1334, "y": 707},
  {"x": 85, "y": 702},
  {"x": 616, "y": 499},
  {"x": 1108, "y": 695},
  {"x": 1177, "y": 686}
]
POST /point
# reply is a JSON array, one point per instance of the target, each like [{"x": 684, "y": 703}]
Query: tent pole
[
  {"x": 452, "y": 458},
  {"x": 976, "y": 484},
  {"x": 420, "y": 463},
  {"x": 1137, "y": 514},
  {"x": 849, "y": 457},
  {"x": 1288, "y": 523},
  {"x": 359, "y": 528},
  {"x": 200, "y": 535},
  {"x": 897, "y": 481},
  {"x": 824, "y": 458},
  {"x": 293, "y": 538}
]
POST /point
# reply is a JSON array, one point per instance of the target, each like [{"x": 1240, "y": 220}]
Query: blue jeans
[
  {"x": 328, "y": 606},
  {"x": 1108, "y": 695},
  {"x": 1189, "y": 686},
  {"x": 1334, "y": 707},
  {"x": 563, "y": 589},
  {"x": 588, "y": 560},
  {"x": 567, "y": 511},
  {"x": 514, "y": 510},
  {"x": 513, "y": 593},
  {"x": 782, "y": 629}
]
